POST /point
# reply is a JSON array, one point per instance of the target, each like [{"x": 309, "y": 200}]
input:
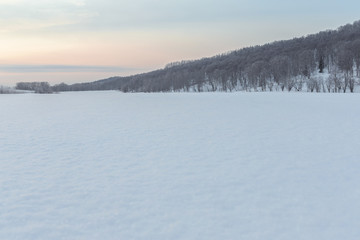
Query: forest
[{"x": 328, "y": 61}]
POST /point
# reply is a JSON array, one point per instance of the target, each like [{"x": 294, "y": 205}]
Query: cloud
[
  {"x": 125, "y": 14},
  {"x": 20, "y": 15},
  {"x": 79, "y": 3},
  {"x": 18, "y": 68},
  {"x": 118, "y": 15},
  {"x": 87, "y": 15}
]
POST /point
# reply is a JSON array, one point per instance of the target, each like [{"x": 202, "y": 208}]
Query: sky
[{"x": 86, "y": 40}]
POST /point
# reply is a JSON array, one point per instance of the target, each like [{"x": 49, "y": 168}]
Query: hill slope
[{"x": 326, "y": 61}]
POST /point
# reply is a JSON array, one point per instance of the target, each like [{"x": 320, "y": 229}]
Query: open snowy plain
[{"x": 108, "y": 165}]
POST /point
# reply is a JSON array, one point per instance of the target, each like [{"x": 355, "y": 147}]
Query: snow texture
[{"x": 107, "y": 165}]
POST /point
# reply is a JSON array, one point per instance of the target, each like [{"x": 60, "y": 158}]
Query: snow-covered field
[{"x": 107, "y": 165}]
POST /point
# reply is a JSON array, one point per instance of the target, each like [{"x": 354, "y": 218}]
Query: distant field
[{"x": 108, "y": 165}]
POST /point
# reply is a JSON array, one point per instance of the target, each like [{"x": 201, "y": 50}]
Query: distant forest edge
[{"x": 328, "y": 61}]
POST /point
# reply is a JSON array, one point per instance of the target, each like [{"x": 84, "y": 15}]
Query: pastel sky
[{"x": 85, "y": 40}]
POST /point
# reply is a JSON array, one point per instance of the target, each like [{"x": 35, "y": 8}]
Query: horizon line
[{"x": 53, "y": 68}]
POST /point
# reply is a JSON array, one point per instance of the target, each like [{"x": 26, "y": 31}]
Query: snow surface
[{"x": 108, "y": 165}]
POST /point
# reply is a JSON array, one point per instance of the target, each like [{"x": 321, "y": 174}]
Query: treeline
[
  {"x": 327, "y": 61},
  {"x": 37, "y": 87},
  {"x": 7, "y": 90}
]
